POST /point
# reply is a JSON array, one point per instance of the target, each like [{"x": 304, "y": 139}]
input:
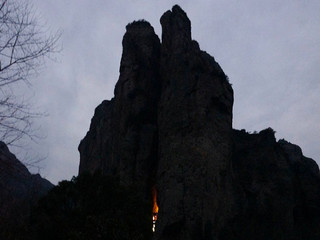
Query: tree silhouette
[{"x": 24, "y": 45}]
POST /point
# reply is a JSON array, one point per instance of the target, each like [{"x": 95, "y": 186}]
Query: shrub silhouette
[{"x": 91, "y": 207}]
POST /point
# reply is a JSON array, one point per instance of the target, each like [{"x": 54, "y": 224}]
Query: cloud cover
[{"x": 269, "y": 49}]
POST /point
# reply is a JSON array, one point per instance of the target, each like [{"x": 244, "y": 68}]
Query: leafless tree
[{"x": 24, "y": 45}]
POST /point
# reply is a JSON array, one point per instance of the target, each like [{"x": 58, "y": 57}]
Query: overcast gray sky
[{"x": 269, "y": 49}]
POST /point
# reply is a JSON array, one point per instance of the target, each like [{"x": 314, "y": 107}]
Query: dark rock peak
[
  {"x": 277, "y": 186},
  {"x": 19, "y": 189},
  {"x": 169, "y": 127},
  {"x": 141, "y": 51},
  {"x": 265, "y": 135},
  {"x": 139, "y": 30},
  {"x": 177, "y": 22},
  {"x": 92, "y": 146},
  {"x": 294, "y": 155},
  {"x": 176, "y": 30},
  {"x": 9, "y": 162},
  {"x": 3, "y": 147},
  {"x": 140, "y": 24}
]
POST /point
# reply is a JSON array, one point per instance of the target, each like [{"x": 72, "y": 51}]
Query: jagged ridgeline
[
  {"x": 168, "y": 130},
  {"x": 19, "y": 192}
]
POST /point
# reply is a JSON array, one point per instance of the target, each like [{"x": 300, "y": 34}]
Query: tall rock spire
[
  {"x": 122, "y": 135},
  {"x": 195, "y": 141},
  {"x": 176, "y": 30},
  {"x": 136, "y": 95}
]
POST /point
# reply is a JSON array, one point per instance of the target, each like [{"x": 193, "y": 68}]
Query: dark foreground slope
[
  {"x": 169, "y": 127},
  {"x": 90, "y": 207},
  {"x": 19, "y": 191}
]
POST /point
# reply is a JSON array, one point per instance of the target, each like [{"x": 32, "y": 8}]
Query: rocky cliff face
[
  {"x": 195, "y": 127},
  {"x": 123, "y": 133},
  {"x": 19, "y": 189},
  {"x": 169, "y": 126},
  {"x": 278, "y": 190}
]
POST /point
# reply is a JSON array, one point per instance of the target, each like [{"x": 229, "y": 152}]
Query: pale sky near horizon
[{"x": 269, "y": 49}]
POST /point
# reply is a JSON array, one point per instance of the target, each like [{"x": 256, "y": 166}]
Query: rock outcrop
[
  {"x": 195, "y": 133},
  {"x": 278, "y": 190},
  {"x": 19, "y": 189},
  {"x": 169, "y": 127},
  {"x": 123, "y": 133}
]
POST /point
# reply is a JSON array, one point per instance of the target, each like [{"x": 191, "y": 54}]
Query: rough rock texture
[
  {"x": 278, "y": 191},
  {"x": 19, "y": 189},
  {"x": 123, "y": 133},
  {"x": 195, "y": 127},
  {"x": 169, "y": 126}
]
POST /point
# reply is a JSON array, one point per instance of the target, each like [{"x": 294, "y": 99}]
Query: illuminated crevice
[{"x": 155, "y": 209}]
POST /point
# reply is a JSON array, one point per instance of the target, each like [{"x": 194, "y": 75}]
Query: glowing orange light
[
  {"x": 155, "y": 209},
  {"x": 155, "y": 205}
]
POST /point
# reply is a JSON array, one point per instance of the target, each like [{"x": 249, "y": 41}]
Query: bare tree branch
[{"x": 24, "y": 46}]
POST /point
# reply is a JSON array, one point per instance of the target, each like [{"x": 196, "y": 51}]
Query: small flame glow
[{"x": 155, "y": 209}]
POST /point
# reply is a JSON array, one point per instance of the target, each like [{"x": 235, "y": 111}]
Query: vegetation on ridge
[{"x": 89, "y": 207}]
